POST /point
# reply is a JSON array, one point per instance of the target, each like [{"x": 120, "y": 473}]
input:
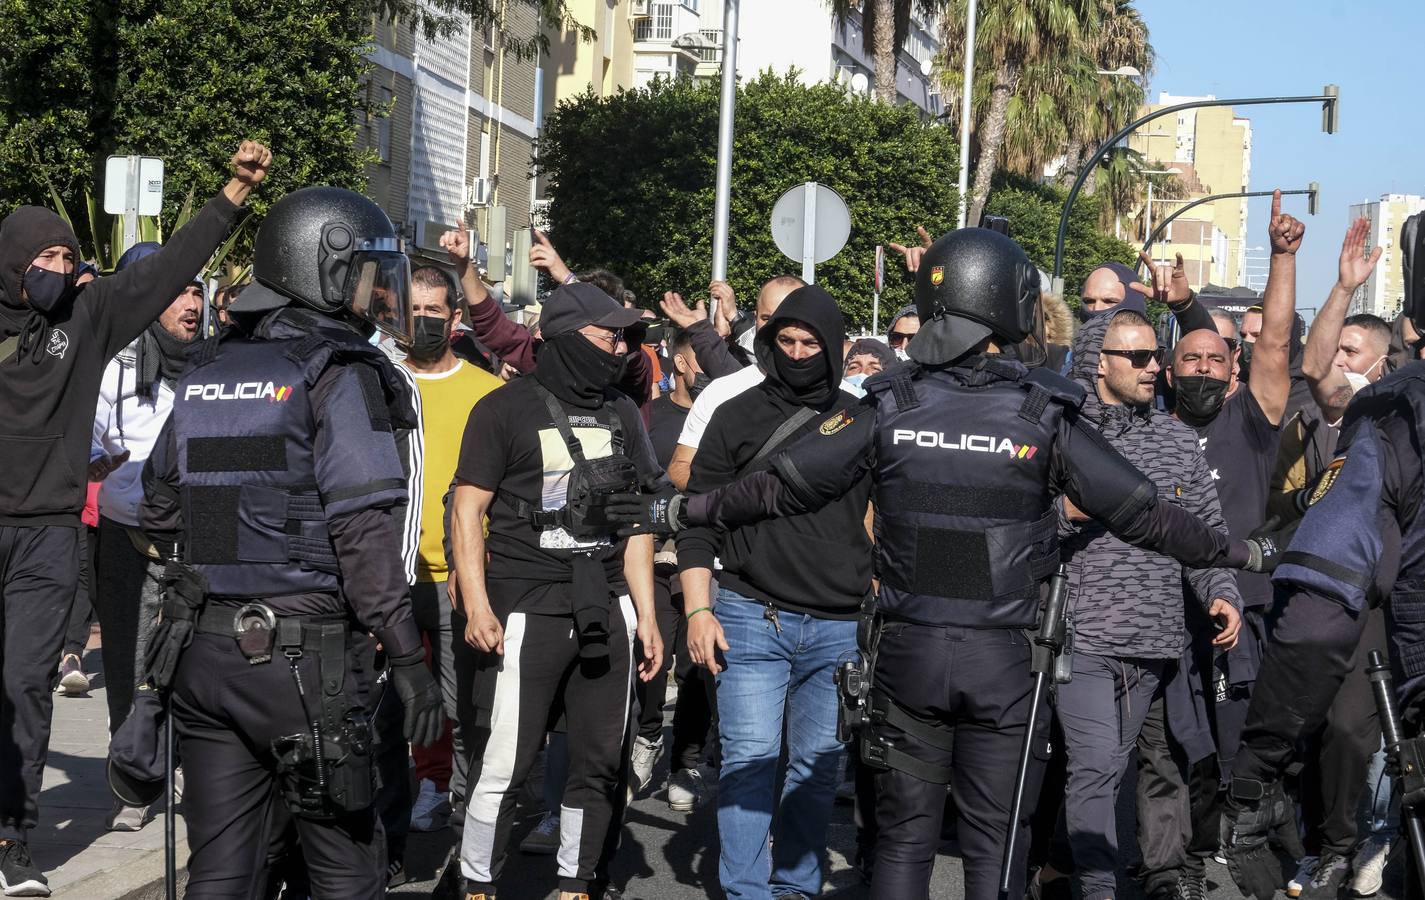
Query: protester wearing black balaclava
[
  {"x": 790, "y": 591},
  {"x": 557, "y": 611},
  {"x": 55, "y": 340},
  {"x": 160, "y": 352}
]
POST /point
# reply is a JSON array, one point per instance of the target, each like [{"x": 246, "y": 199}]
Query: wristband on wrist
[
  {"x": 706, "y": 609},
  {"x": 570, "y": 278}
]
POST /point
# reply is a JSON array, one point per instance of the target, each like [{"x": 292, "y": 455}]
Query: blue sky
[{"x": 1248, "y": 48}]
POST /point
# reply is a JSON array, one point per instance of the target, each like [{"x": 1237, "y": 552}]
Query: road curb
[{"x": 141, "y": 880}]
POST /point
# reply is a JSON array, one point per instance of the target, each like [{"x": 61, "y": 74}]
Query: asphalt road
[{"x": 667, "y": 855}]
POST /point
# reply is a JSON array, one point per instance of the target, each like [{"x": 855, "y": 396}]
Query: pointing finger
[
  {"x": 1276, "y": 203},
  {"x": 925, "y": 239}
]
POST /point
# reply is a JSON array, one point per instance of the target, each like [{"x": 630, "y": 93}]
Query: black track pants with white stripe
[{"x": 539, "y": 674}]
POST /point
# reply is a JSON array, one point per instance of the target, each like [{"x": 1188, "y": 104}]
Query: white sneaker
[
  {"x": 431, "y": 811},
  {"x": 72, "y": 680},
  {"x": 126, "y": 818},
  {"x": 544, "y": 839},
  {"x": 1304, "y": 870},
  {"x": 1369, "y": 866},
  {"x": 644, "y": 757},
  {"x": 685, "y": 790}
]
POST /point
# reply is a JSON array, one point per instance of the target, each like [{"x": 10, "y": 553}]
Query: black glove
[
  {"x": 420, "y": 696},
  {"x": 183, "y": 593},
  {"x": 657, "y": 510},
  {"x": 1256, "y": 813},
  {"x": 1268, "y": 543}
]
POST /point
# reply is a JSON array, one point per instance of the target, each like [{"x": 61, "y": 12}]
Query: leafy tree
[
  {"x": 433, "y": 17},
  {"x": 185, "y": 80},
  {"x": 631, "y": 183}
]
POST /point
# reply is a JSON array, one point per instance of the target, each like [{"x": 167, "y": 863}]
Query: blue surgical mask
[{"x": 854, "y": 382}]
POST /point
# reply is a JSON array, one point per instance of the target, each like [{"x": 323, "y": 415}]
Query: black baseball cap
[{"x": 572, "y": 306}]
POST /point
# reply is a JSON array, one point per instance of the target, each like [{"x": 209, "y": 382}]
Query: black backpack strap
[
  {"x": 561, "y": 421},
  {"x": 784, "y": 431}
]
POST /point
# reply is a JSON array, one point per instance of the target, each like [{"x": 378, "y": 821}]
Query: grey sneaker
[
  {"x": 685, "y": 790},
  {"x": 644, "y": 757},
  {"x": 1369, "y": 866},
  {"x": 126, "y": 818},
  {"x": 544, "y": 839},
  {"x": 1304, "y": 870},
  {"x": 1326, "y": 881},
  {"x": 72, "y": 680}
]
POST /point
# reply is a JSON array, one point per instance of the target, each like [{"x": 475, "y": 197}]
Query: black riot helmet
[
  {"x": 334, "y": 251},
  {"x": 973, "y": 283},
  {"x": 1412, "y": 265}
]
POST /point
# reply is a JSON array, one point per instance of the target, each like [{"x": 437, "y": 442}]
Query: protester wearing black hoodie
[
  {"x": 54, "y": 343},
  {"x": 784, "y": 617}
]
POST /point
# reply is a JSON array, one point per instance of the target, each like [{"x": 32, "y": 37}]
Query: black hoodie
[
  {"x": 817, "y": 563},
  {"x": 50, "y": 384}
]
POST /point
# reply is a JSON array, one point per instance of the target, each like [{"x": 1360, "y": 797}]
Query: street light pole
[
  {"x": 722, "y": 198},
  {"x": 1329, "y": 99},
  {"x": 966, "y": 98}
]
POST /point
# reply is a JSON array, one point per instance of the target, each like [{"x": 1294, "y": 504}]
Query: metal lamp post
[
  {"x": 1329, "y": 98},
  {"x": 722, "y": 198}
]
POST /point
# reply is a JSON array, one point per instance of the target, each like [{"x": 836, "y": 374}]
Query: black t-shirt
[
  {"x": 664, "y": 426},
  {"x": 1241, "y": 448},
  {"x": 511, "y": 445}
]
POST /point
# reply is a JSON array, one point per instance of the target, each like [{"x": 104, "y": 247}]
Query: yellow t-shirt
[{"x": 446, "y": 401}]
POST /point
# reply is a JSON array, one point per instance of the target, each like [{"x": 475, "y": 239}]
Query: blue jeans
[{"x": 769, "y": 675}]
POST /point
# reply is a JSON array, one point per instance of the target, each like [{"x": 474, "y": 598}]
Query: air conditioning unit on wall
[
  {"x": 639, "y": 9},
  {"x": 478, "y": 194}
]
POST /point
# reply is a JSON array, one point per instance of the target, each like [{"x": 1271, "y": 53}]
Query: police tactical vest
[
  {"x": 254, "y": 522},
  {"x": 966, "y": 530}
]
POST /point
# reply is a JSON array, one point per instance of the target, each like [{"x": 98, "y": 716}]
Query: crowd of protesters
[{"x": 1234, "y": 421}]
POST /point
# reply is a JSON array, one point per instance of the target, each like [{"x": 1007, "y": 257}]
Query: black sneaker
[
  {"x": 18, "y": 875},
  {"x": 1192, "y": 886},
  {"x": 396, "y": 874}
]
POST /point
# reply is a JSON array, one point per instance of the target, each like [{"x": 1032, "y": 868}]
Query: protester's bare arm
[
  {"x": 1328, "y": 384},
  {"x": 1270, "y": 383}
]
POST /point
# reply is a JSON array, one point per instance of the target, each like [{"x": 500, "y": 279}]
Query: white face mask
[
  {"x": 901, "y": 354},
  {"x": 1360, "y": 381},
  {"x": 745, "y": 340}
]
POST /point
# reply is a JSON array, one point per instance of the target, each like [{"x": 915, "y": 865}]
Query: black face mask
[
  {"x": 45, "y": 290},
  {"x": 806, "y": 377},
  {"x": 1199, "y": 398},
  {"x": 1244, "y": 362},
  {"x": 576, "y": 370},
  {"x": 429, "y": 337},
  {"x": 698, "y": 384}
]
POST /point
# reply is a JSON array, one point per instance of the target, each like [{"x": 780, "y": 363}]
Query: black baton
[
  {"x": 170, "y": 816},
  {"x": 1049, "y": 641},
  {"x": 1383, "y": 686}
]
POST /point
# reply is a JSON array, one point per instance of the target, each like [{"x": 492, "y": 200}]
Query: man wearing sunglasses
[
  {"x": 903, "y": 327},
  {"x": 1127, "y": 606}
]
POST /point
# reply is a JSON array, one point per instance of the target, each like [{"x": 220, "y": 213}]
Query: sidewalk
[{"x": 70, "y": 845}]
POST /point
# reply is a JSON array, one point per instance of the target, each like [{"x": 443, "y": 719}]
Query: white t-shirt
[
  {"x": 718, "y": 392},
  {"x": 125, "y": 421}
]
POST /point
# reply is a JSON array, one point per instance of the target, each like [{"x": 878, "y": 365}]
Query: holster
[
  {"x": 327, "y": 770},
  {"x": 1411, "y": 763}
]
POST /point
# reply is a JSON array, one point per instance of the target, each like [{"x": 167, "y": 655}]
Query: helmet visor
[{"x": 378, "y": 289}]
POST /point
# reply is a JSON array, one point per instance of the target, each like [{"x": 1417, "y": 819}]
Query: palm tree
[
  {"x": 1102, "y": 104},
  {"x": 1014, "y": 38},
  {"x": 884, "y": 27}
]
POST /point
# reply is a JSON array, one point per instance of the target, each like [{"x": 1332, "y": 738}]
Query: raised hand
[
  {"x": 678, "y": 311},
  {"x": 250, "y": 164},
  {"x": 913, "y": 254},
  {"x": 456, "y": 242},
  {"x": 542, "y": 255},
  {"x": 1355, "y": 266},
  {"x": 1284, "y": 230}
]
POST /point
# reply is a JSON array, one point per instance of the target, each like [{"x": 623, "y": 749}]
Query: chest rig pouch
[{"x": 589, "y": 485}]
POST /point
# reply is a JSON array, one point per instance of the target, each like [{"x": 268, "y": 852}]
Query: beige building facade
[{"x": 1217, "y": 144}]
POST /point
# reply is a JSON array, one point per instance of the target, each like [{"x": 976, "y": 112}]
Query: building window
[
  {"x": 382, "y": 115},
  {"x": 658, "y": 26}
]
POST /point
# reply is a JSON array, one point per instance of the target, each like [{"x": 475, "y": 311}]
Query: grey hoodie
[{"x": 1129, "y": 602}]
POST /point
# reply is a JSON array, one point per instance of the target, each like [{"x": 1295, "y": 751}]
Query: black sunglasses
[
  {"x": 898, "y": 337},
  {"x": 1138, "y": 358},
  {"x": 1231, "y": 345}
]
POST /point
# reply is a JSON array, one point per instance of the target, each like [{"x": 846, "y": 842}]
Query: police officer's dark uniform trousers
[
  {"x": 280, "y": 464},
  {"x": 967, "y": 458},
  {"x": 1360, "y": 546}
]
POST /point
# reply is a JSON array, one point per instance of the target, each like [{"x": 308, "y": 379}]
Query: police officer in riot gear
[
  {"x": 968, "y": 449},
  {"x": 279, "y": 485},
  {"x": 1360, "y": 546}
]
